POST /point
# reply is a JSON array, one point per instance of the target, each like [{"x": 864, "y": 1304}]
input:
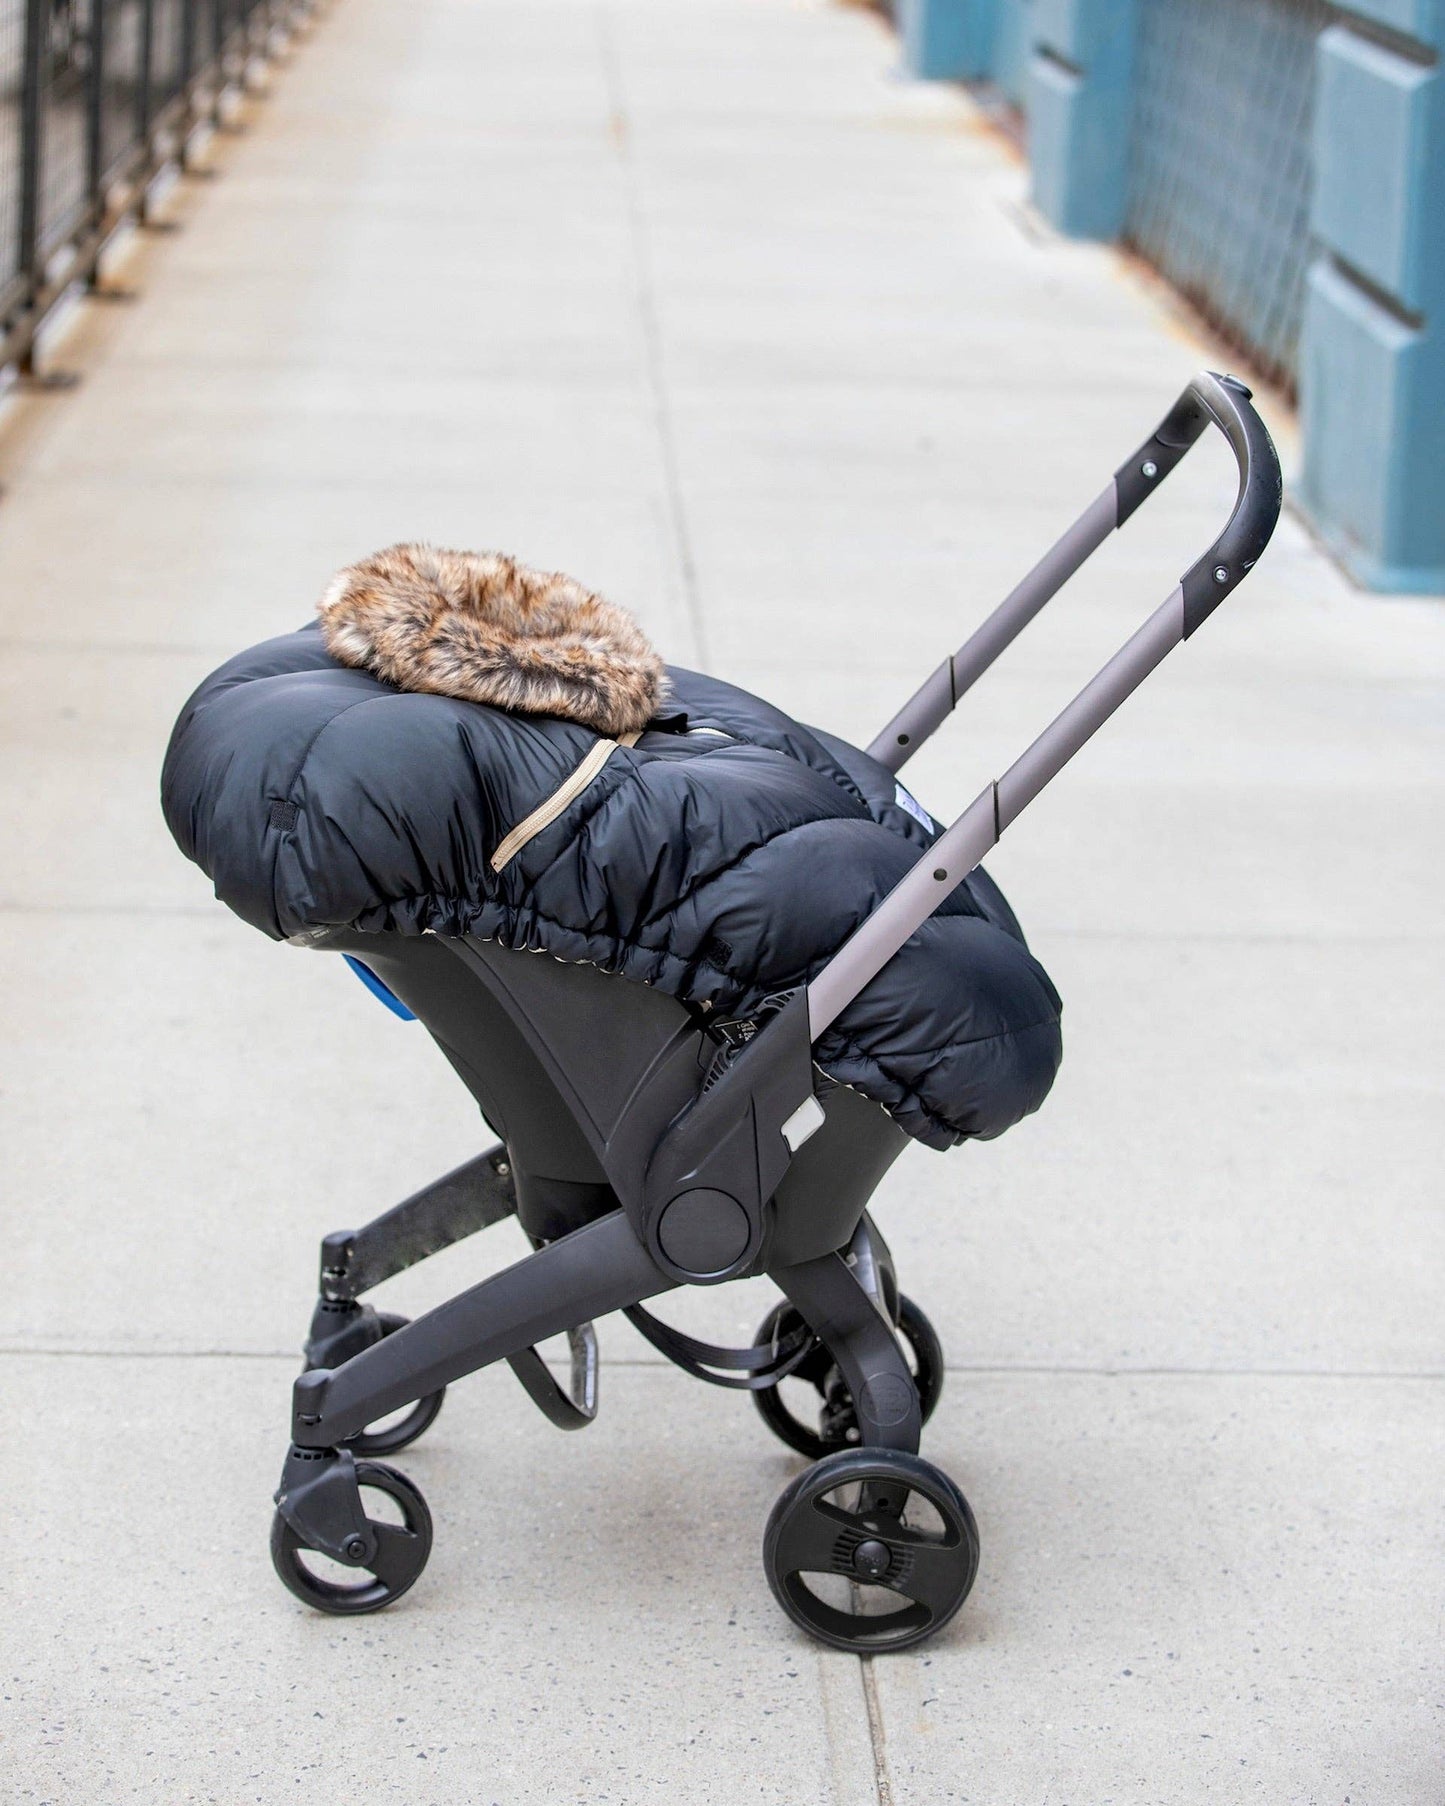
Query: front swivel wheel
[
  {"x": 871, "y": 1550},
  {"x": 398, "y": 1529}
]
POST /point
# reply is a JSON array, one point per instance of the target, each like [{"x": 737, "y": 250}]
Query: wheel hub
[{"x": 872, "y": 1559}]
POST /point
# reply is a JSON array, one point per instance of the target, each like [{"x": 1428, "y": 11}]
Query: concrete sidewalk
[{"x": 693, "y": 298}]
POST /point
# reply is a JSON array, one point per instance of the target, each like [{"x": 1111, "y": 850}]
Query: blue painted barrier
[
  {"x": 1012, "y": 36},
  {"x": 947, "y": 40},
  {"x": 1080, "y": 104},
  {"x": 1140, "y": 111},
  {"x": 967, "y": 40},
  {"x": 1372, "y": 364}
]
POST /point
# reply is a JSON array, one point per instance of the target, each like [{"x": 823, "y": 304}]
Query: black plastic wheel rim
[
  {"x": 398, "y": 1433},
  {"x": 846, "y": 1523},
  {"x": 401, "y": 1551},
  {"x": 926, "y": 1358}
]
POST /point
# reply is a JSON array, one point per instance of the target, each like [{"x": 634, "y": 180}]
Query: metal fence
[
  {"x": 96, "y": 97},
  {"x": 1220, "y": 162}
]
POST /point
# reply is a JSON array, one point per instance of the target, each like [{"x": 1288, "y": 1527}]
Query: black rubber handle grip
[
  {"x": 1256, "y": 508},
  {"x": 1224, "y": 401}
]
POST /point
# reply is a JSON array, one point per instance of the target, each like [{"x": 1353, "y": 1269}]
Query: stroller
[{"x": 646, "y": 1144}]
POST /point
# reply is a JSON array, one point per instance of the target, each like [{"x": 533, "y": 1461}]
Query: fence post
[
  {"x": 1372, "y": 355},
  {"x": 32, "y": 137},
  {"x": 947, "y": 40},
  {"x": 218, "y": 59},
  {"x": 95, "y": 116},
  {"x": 145, "y": 84},
  {"x": 1080, "y": 105}
]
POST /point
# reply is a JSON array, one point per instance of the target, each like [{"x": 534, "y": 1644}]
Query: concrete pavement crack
[
  {"x": 994, "y": 1370},
  {"x": 650, "y": 331},
  {"x": 877, "y": 1736}
]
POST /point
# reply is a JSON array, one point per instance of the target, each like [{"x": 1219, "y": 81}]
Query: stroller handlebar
[
  {"x": 697, "y": 1180},
  {"x": 1221, "y": 400},
  {"x": 1256, "y": 507}
]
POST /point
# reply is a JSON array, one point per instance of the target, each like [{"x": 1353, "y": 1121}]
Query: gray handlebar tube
[
  {"x": 696, "y": 1181},
  {"x": 931, "y": 705},
  {"x": 1204, "y": 585},
  {"x": 1222, "y": 400},
  {"x": 957, "y": 851}
]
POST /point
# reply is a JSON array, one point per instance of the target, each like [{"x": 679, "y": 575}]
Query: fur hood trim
[{"x": 482, "y": 627}]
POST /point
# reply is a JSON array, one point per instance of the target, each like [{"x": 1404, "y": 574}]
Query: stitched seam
[
  {"x": 306, "y": 751},
  {"x": 932, "y": 1053},
  {"x": 846, "y": 1047},
  {"x": 832, "y": 770},
  {"x": 851, "y": 1044},
  {"x": 703, "y": 879},
  {"x": 469, "y": 901},
  {"x": 583, "y": 823}
]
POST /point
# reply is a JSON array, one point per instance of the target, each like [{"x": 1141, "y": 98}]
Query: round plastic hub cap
[
  {"x": 703, "y": 1231},
  {"x": 871, "y": 1559}
]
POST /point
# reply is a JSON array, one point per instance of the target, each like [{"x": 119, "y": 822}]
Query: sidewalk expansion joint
[
  {"x": 40, "y": 1351},
  {"x": 650, "y": 331},
  {"x": 877, "y": 1737}
]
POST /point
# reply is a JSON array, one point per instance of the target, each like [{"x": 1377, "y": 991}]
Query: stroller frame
[{"x": 646, "y": 1147}]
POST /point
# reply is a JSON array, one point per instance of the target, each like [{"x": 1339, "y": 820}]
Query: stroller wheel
[
  {"x": 831, "y": 1409},
  {"x": 871, "y": 1551},
  {"x": 388, "y": 1435},
  {"x": 401, "y": 1526}
]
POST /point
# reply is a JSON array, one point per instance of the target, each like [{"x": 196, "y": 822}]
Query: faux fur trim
[{"x": 481, "y": 626}]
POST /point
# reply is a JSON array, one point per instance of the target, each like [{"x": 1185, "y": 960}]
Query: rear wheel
[{"x": 812, "y": 1409}]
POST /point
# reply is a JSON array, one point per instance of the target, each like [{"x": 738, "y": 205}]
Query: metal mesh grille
[
  {"x": 1220, "y": 168},
  {"x": 65, "y": 78},
  {"x": 168, "y": 51},
  {"x": 12, "y": 75},
  {"x": 124, "y": 71},
  {"x": 96, "y": 96}
]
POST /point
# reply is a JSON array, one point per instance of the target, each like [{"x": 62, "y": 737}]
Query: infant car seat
[{"x": 704, "y": 979}]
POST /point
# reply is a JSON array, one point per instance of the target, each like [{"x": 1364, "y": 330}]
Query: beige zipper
[{"x": 546, "y": 813}]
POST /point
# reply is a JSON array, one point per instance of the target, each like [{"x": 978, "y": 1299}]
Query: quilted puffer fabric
[{"x": 723, "y": 858}]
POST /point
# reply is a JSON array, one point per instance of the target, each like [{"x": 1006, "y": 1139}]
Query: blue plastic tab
[{"x": 378, "y": 989}]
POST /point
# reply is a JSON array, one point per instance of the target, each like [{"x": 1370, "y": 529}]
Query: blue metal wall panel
[
  {"x": 1374, "y": 435},
  {"x": 1011, "y": 45},
  {"x": 1372, "y": 386},
  {"x": 1079, "y": 30},
  {"x": 1080, "y": 104},
  {"x": 946, "y": 40},
  {"x": 1371, "y": 143}
]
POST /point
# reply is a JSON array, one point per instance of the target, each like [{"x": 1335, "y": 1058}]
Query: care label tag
[{"x": 913, "y": 806}]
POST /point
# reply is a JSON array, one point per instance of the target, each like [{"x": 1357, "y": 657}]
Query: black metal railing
[{"x": 97, "y": 97}]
